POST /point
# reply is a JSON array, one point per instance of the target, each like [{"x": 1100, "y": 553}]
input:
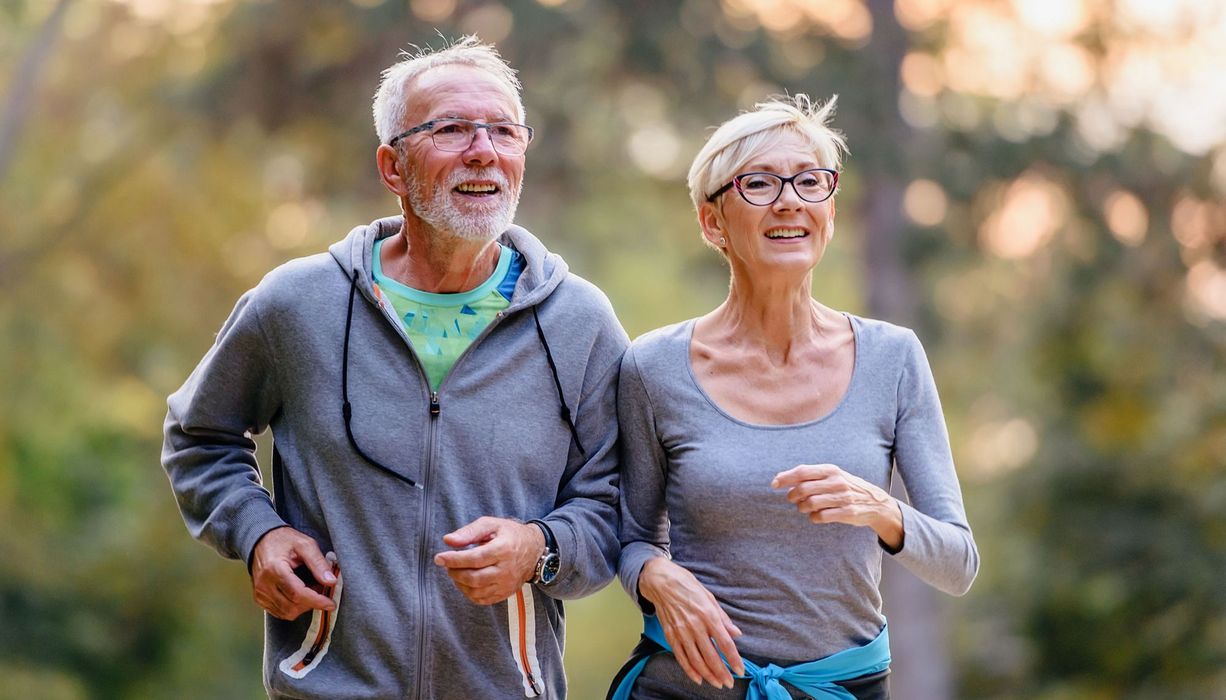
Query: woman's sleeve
[
  {"x": 938, "y": 545},
  {"x": 644, "y": 521}
]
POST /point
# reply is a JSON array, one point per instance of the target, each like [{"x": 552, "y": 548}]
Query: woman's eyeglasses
[{"x": 764, "y": 189}]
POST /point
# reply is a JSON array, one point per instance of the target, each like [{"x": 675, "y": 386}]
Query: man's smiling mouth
[{"x": 476, "y": 189}]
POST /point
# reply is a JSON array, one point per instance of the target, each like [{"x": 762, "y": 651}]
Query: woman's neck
[{"x": 776, "y": 316}]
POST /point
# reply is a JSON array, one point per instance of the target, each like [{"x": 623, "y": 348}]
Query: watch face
[{"x": 549, "y": 569}]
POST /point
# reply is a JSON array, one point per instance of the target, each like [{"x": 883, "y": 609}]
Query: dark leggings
[{"x": 663, "y": 679}]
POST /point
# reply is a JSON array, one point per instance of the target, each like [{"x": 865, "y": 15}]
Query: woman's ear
[
  {"x": 388, "y": 162},
  {"x": 711, "y": 219},
  {"x": 830, "y": 225}
]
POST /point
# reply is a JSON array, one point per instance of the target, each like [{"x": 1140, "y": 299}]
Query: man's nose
[{"x": 481, "y": 150}]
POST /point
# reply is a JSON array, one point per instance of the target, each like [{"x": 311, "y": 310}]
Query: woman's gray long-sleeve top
[{"x": 696, "y": 487}]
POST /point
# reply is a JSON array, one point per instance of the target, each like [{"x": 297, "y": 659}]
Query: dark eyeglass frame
[
  {"x": 347, "y": 408},
  {"x": 783, "y": 182},
  {"x": 477, "y": 126}
]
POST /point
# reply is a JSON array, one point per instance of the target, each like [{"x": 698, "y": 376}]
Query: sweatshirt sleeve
[
  {"x": 584, "y": 521},
  {"x": 938, "y": 545},
  {"x": 208, "y": 452},
  {"x": 644, "y": 530}
]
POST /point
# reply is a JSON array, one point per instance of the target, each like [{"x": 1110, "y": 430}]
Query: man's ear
[
  {"x": 390, "y": 172},
  {"x": 712, "y": 222}
]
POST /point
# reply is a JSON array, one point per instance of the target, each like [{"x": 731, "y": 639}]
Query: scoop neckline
[{"x": 855, "y": 373}]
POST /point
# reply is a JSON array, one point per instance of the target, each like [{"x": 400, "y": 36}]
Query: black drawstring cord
[
  {"x": 346, "y": 408},
  {"x": 574, "y": 433}
]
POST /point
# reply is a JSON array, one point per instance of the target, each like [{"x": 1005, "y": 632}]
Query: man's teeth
[
  {"x": 476, "y": 189},
  {"x": 787, "y": 233}
]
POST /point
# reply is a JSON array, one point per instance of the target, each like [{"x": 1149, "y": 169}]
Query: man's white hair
[
  {"x": 391, "y": 104},
  {"x": 739, "y": 139}
]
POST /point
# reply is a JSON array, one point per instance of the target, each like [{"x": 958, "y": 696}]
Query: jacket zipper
[
  {"x": 435, "y": 409},
  {"x": 423, "y": 542}
]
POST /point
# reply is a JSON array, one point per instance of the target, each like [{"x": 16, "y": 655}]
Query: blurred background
[{"x": 1036, "y": 186}]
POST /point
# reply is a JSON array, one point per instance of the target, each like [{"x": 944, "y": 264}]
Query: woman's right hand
[{"x": 692, "y": 619}]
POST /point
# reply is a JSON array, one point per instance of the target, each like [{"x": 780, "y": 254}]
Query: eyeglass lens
[
  {"x": 458, "y": 135},
  {"x": 765, "y": 188}
]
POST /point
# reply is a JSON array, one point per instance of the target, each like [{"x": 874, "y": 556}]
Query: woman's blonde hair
[{"x": 739, "y": 139}]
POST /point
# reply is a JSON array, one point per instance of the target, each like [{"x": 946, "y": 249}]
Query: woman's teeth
[{"x": 787, "y": 233}]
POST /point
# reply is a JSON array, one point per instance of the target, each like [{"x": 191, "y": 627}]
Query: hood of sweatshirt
[{"x": 543, "y": 270}]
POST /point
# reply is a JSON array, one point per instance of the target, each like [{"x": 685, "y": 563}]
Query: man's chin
[
  {"x": 480, "y": 236},
  {"x": 479, "y": 228},
  {"x": 467, "y": 219}
]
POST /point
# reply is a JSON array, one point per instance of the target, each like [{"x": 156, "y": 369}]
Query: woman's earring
[{"x": 723, "y": 241}]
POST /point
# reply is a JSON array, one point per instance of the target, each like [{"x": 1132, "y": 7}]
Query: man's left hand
[{"x": 492, "y": 559}]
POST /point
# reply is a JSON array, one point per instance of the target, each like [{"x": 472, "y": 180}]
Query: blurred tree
[
  {"x": 922, "y": 666},
  {"x": 18, "y": 100}
]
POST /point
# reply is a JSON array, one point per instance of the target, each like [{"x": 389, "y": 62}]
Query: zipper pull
[{"x": 435, "y": 409}]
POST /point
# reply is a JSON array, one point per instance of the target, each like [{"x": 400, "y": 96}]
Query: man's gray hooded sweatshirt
[{"x": 491, "y": 442}]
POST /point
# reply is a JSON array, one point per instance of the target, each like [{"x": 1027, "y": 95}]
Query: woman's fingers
[
  {"x": 705, "y": 662},
  {"x": 802, "y": 473},
  {"x": 691, "y": 641},
  {"x": 812, "y": 504},
  {"x": 724, "y": 641},
  {"x": 700, "y": 652},
  {"x": 682, "y": 656},
  {"x": 720, "y": 675}
]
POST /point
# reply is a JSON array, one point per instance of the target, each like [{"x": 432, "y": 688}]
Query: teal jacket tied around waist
[{"x": 817, "y": 678}]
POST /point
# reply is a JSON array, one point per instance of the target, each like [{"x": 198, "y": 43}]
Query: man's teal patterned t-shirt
[{"x": 442, "y": 326}]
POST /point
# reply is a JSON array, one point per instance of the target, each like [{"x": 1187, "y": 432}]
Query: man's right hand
[{"x": 274, "y": 585}]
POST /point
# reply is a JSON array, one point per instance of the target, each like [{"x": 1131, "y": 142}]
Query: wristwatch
[{"x": 547, "y": 566}]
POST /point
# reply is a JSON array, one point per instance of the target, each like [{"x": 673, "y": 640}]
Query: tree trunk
[
  {"x": 25, "y": 78},
  {"x": 919, "y": 632}
]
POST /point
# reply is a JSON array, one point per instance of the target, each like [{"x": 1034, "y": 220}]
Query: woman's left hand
[{"x": 827, "y": 494}]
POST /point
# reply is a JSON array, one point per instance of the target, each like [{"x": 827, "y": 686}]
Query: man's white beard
[{"x": 483, "y": 223}]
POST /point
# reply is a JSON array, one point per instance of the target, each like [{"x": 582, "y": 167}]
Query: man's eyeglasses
[
  {"x": 457, "y": 135},
  {"x": 763, "y": 189}
]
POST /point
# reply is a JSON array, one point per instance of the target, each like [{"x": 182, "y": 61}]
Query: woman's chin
[{"x": 773, "y": 262}]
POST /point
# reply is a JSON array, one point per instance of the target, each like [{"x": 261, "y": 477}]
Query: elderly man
[{"x": 441, "y": 393}]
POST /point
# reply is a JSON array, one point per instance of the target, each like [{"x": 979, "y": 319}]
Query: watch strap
[{"x": 551, "y": 542}]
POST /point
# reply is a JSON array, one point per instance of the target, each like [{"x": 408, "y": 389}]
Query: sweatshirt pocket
[
  {"x": 521, "y": 624},
  {"x": 318, "y": 637}
]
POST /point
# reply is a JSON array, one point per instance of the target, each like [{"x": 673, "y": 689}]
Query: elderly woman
[{"x": 759, "y": 442}]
